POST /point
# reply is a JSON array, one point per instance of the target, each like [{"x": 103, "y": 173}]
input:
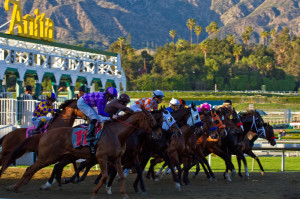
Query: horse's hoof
[
  {"x": 233, "y": 172},
  {"x": 11, "y": 188},
  {"x": 144, "y": 193},
  {"x": 156, "y": 179},
  {"x": 214, "y": 179},
  {"x": 125, "y": 196},
  {"x": 262, "y": 173},
  {"x": 108, "y": 190},
  {"x": 178, "y": 186}
]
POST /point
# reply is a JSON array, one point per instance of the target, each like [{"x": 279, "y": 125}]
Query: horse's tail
[{"x": 22, "y": 148}]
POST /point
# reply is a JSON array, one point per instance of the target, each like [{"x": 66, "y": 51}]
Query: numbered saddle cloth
[{"x": 79, "y": 135}]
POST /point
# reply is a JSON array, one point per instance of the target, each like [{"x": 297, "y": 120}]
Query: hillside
[{"x": 98, "y": 23}]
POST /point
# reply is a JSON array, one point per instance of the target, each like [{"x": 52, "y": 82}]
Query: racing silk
[
  {"x": 43, "y": 108},
  {"x": 96, "y": 99},
  {"x": 148, "y": 103},
  {"x": 170, "y": 109}
]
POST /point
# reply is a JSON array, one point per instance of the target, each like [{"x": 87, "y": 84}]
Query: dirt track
[{"x": 271, "y": 185}]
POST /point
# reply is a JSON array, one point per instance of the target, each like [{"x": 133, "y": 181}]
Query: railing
[{"x": 278, "y": 147}]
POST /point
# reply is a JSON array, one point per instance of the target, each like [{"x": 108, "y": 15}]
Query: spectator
[{"x": 28, "y": 89}]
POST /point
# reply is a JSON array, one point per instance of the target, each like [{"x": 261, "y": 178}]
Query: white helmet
[
  {"x": 174, "y": 102},
  {"x": 158, "y": 94}
]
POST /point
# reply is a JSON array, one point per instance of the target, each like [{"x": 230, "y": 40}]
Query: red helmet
[{"x": 124, "y": 98}]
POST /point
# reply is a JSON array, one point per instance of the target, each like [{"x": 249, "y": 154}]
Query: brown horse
[
  {"x": 56, "y": 144},
  {"x": 65, "y": 117}
]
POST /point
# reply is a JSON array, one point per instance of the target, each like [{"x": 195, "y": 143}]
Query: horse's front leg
[
  {"x": 119, "y": 169},
  {"x": 103, "y": 165}
]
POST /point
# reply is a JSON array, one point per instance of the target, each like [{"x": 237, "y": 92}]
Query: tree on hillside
[
  {"x": 121, "y": 41},
  {"x": 204, "y": 47},
  {"x": 173, "y": 33},
  {"x": 198, "y": 30},
  {"x": 191, "y": 24},
  {"x": 246, "y": 34},
  {"x": 237, "y": 52},
  {"x": 265, "y": 35},
  {"x": 273, "y": 33},
  {"x": 231, "y": 39},
  {"x": 214, "y": 27}
]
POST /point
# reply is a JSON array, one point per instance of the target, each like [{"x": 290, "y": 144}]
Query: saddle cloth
[
  {"x": 79, "y": 135},
  {"x": 30, "y": 130}
]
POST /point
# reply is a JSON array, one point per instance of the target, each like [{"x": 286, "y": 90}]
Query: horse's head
[
  {"x": 253, "y": 122},
  {"x": 217, "y": 123},
  {"x": 149, "y": 123},
  {"x": 194, "y": 120},
  {"x": 68, "y": 111},
  {"x": 169, "y": 124},
  {"x": 270, "y": 134}
]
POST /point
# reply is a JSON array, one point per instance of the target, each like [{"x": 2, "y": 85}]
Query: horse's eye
[
  {"x": 170, "y": 119},
  {"x": 197, "y": 116},
  {"x": 217, "y": 122},
  {"x": 166, "y": 112}
]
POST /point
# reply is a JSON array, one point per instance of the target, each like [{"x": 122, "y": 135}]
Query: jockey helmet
[
  {"x": 124, "y": 98},
  {"x": 83, "y": 88},
  {"x": 174, "y": 102},
  {"x": 158, "y": 94},
  {"x": 205, "y": 106},
  {"x": 182, "y": 102},
  {"x": 227, "y": 102},
  {"x": 51, "y": 97},
  {"x": 112, "y": 91}
]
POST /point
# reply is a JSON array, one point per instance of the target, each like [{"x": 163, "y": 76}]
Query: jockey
[
  {"x": 117, "y": 105},
  {"x": 204, "y": 107},
  {"x": 99, "y": 100},
  {"x": 149, "y": 103},
  {"x": 82, "y": 91},
  {"x": 174, "y": 105},
  {"x": 182, "y": 103},
  {"x": 226, "y": 104},
  {"x": 42, "y": 109}
]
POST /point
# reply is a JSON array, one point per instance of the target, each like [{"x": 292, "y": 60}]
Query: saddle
[
  {"x": 79, "y": 135},
  {"x": 30, "y": 131}
]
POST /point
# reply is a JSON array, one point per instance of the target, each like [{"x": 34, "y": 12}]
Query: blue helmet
[{"x": 112, "y": 91}]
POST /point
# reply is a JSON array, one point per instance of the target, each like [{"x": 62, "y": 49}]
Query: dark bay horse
[
  {"x": 65, "y": 117},
  {"x": 255, "y": 128},
  {"x": 57, "y": 143}
]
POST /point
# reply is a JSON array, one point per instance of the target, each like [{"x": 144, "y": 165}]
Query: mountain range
[{"x": 98, "y": 23}]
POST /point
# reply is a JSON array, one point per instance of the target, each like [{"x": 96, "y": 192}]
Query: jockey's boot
[
  {"x": 91, "y": 131},
  {"x": 38, "y": 127}
]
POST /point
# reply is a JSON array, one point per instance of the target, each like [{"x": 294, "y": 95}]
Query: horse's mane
[
  {"x": 249, "y": 112},
  {"x": 65, "y": 104}
]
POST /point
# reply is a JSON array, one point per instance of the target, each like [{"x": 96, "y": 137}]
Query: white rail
[{"x": 277, "y": 147}]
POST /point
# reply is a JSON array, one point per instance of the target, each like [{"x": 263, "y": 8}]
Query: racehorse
[
  {"x": 65, "y": 117},
  {"x": 57, "y": 143},
  {"x": 131, "y": 155},
  {"x": 255, "y": 128}
]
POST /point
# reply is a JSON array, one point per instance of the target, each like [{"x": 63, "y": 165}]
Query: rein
[{"x": 130, "y": 125}]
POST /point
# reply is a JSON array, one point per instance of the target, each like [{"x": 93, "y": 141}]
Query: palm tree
[
  {"x": 249, "y": 29},
  {"x": 191, "y": 24},
  {"x": 204, "y": 47},
  {"x": 208, "y": 29},
  {"x": 264, "y": 35},
  {"x": 121, "y": 41},
  {"x": 245, "y": 37},
  {"x": 214, "y": 27},
  {"x": 198, "y": 30},
  {"x": 173, "y": 33},
  {"x": 231, "y": 39},
  {"x": 237, "y": 52}
]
